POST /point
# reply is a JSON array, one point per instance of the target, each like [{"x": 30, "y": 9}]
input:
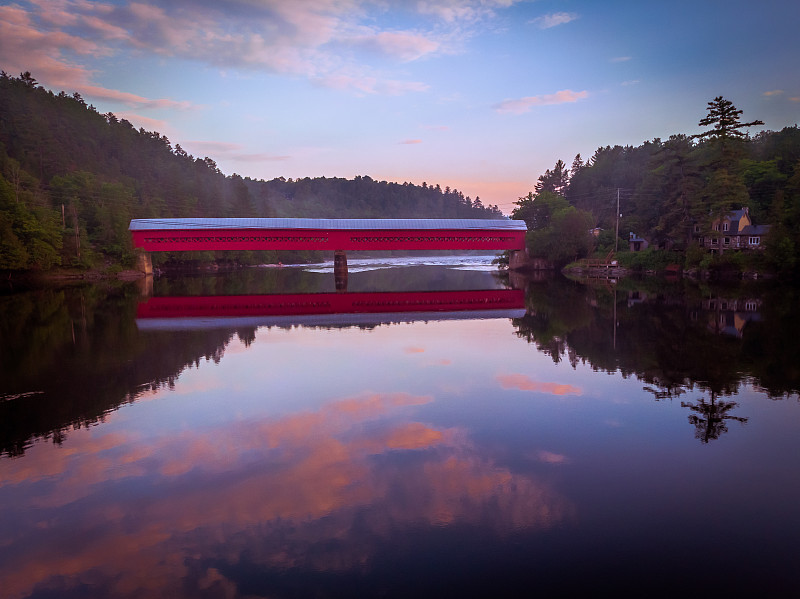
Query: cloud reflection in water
[{"x": 319, "y": 490}]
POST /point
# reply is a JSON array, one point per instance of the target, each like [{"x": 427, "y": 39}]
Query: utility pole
[{"x": 616, "y": 232}]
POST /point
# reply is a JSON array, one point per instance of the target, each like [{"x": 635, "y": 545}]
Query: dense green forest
[
  {"x": 668, "y": 190},
  {"x": 71, "y": 179}
]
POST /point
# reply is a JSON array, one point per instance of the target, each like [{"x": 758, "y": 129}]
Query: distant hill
[{"x": 71, "y": 179}]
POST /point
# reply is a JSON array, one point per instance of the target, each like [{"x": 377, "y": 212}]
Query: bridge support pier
[
  {"x": 144, "y": 262},
  {"x": 340, "y": 269},
  {"x": 145, "y": 286}
]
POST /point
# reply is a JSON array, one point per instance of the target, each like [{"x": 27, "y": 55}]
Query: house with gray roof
[{"x": 734, "y": 231}]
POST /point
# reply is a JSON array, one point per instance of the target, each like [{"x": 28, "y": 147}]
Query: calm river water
[{"x": 434, "y": 430}]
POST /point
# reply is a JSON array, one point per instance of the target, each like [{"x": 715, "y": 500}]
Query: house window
[
  {"x": 755, "y": 240},
  {"x": 725, "y": 226},
  {"x": 697, "y": 228},
  {"x": 727, "y": 241},
  {"x": 751, "y": 306},
  {"x": 716, "y": 227},
  {"x": 715, "y": 241}
]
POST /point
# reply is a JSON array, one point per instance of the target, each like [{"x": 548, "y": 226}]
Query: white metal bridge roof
[{"x": 160, "y": 224}]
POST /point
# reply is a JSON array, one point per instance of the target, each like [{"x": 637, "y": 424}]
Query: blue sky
[{"x": 478, "y": 95}]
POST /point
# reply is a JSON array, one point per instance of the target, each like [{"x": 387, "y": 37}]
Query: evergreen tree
[
  {"x": 727, "y": 133},
  {"x": 725, "y": 118},
  {"x": 577, "y": 165},
  {"x": 675, "y": 178},
  {"x": 554, "y": 181}
]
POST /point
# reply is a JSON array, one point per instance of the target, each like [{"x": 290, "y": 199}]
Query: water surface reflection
[{"x": 552, "y": 451}]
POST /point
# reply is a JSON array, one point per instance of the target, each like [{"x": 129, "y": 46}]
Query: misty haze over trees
[{"x": 71, "y": 179}]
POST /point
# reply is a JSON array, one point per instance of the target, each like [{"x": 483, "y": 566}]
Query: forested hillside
[
  {"x": 71, "y": 179},
  {"x": 669, "y": 190}
]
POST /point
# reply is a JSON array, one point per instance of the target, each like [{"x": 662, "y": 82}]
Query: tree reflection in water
[
  {"x": 709, "y": 418},
  {"x": 70, "y": 356},
  {"x": 661, "y": 332}
]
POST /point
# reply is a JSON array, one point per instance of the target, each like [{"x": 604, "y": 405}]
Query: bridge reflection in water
[{"x": 320, "y": 309}]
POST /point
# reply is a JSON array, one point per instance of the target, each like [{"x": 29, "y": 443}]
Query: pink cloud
[
  {"x": 523, "y": 105},
  {"x": 403, "y": 45},
  {"x": 441, "y": 362},
  {"x": 24, "y": 46},
  {"x": 14, "y": 15},
  {"x": 525, "y": 383},
  {"x": 298, "y": 38},
  {"x": 413, "y": 435},
  {"x": 131, "y": 99},
  {"x": 411, "y": 142},
  {"x": 548, "y": 457},
  {"x": 107, "y": 30},
  {"x": 144, "y": 122}
]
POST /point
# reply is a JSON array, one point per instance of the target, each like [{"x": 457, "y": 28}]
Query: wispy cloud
[
  {"x": 132, "y": 99},
  {"x": 410, "y": 142},
  {"x": 554, "y": 19},
  {"x": 30, "y": 42},
  {"x": 365, "y": 84},
  {"x": 523, "y": 105},
  {"x": 774, "y": 92},
  {"x": 328, "y": 42},
  {"x": 463, "y": 11},
  {"x": 621, "y": 58},
  {"x": 405, "y": 46}
]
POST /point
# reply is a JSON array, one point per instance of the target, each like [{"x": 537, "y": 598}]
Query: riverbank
[
  {"x": 614, "y": 272},
  {"x": 63, "y": 274}
]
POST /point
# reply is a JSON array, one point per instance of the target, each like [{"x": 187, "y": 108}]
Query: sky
[{"x": 478, "y": 95}]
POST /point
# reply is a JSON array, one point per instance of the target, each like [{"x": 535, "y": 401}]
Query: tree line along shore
[{"x": 71, "y": 179}]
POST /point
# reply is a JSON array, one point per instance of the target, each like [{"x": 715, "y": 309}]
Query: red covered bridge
[
  {"x": 339, "y": 235},
  {"x": 191, "y": 234}
]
